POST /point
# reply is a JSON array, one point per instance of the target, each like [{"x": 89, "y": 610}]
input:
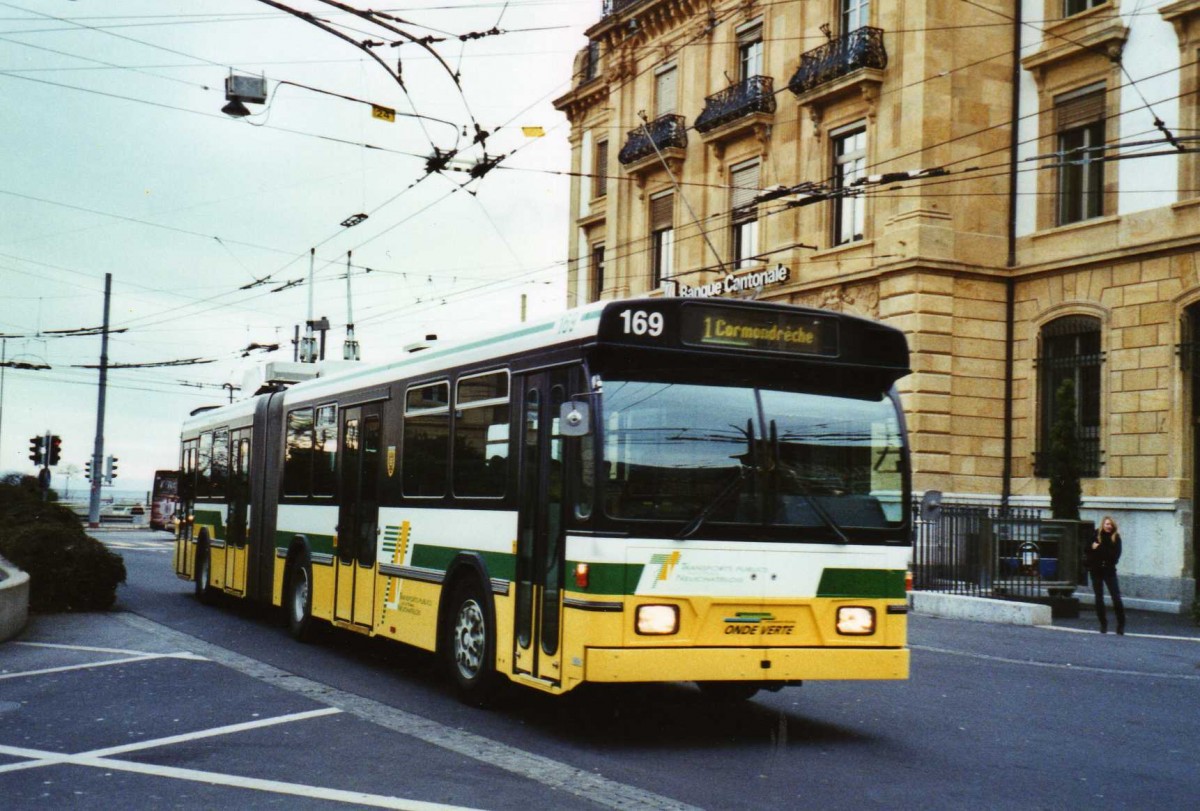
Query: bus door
[
  {"x": 540, "y": 538},
  {"x": 185, "y": 558},
  {"x": 238, "y": 513},
  {"x": 358, "y": 515}
]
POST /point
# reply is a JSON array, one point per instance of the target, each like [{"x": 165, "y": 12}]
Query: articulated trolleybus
[{"x": 638, "y": 491}]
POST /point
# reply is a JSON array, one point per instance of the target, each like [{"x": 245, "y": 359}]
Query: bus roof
[{"x": 750, "y": 329}]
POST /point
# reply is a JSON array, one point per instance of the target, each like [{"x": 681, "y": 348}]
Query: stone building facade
[{"x": 1013, "y": 185}]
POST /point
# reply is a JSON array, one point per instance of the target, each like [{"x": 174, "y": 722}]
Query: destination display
[{"x": 758, "y": 330}]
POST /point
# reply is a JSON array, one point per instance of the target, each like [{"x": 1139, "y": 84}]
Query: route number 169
[{"x": 640, "y": 322}]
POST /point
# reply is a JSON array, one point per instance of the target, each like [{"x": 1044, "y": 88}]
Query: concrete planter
[{"x": 14, "y": 600}]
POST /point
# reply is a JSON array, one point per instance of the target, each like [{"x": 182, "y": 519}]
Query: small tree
[{"x": 1066, "y": 494}]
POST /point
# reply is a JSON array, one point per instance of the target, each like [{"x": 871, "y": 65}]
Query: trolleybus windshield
[{"x": 751, "y": 456}]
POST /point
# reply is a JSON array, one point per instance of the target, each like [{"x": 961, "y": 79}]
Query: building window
[
  {"x": 855, "y": 14},
  {"x": 665, "y": 90},
  {"x": 597, "y": 271},
  {"x": 750, "y": 50},
  {"x": 1070, "y": 350},
  {"x": 744, "y": 214},
  {"x": 591, "y": 67},
  {"x": 600, "y": 170},
  {"x": 662, "y": 237},
  {"x": 849, "y": 164},
  {"x": 1071, "y": 7},
  {"x": 1079, "y": 123}
]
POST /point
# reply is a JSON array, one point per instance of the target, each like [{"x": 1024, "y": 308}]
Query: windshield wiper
[
  {"x": 821, "y": 512},
  {"x": 732, "y": 486}
]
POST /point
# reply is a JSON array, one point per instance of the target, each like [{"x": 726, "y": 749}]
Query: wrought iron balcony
[
  {"x": 612, "y": 7},
  {"x": 861, "y": 48},
  {"x": 753, "y": 95},
  {"x": 665, "y": 132}
]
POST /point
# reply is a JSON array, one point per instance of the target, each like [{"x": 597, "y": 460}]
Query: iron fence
[
  {"x": 663, "y": 132},
  {"x": 755, "y": 94},
  {"x": 986, "y": 552},
  {"x": 861, "y": 48}
]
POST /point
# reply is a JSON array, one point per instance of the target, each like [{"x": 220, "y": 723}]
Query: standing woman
[{"x": 1102, "y": 564}]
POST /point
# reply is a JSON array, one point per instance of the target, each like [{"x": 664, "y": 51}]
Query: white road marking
[
  {"x": 86, "y": 648},
  {"x": 358, "y": 798},
  {"x": 106, "y": 663},
  {"x": 229, "y": 729},
  {"x": 1137, "y": 636},
  {"x": 593, "y": 787},
  {"x": 1056, "y": 665}
]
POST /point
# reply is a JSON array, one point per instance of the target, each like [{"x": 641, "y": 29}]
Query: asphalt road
[{"x": 167, "y": 703}]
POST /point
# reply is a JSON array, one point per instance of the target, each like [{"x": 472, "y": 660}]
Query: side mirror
[{"x": 575, "y": 419}]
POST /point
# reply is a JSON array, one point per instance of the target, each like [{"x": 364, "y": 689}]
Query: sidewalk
[{"x": 1153, "y": 623}]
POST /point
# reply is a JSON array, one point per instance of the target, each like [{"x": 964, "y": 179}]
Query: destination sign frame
[{"x": 712, "y": 325}]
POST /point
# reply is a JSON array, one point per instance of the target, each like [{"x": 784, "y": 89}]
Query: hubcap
[
  {"x": 469, "y": 639},
  {"x": 300, "y": 595}
]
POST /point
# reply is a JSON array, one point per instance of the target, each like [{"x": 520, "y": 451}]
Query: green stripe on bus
[
  {"x": 606, "y": 578},
  {"x": 211, "y": 518},
  {"x": 499, "y": 564},
  {"x": 877, "y": 583},
  {"x": 319, "y": 544}
]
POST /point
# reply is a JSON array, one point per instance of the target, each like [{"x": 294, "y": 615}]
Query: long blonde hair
[{"x": 1110, "y": 520}]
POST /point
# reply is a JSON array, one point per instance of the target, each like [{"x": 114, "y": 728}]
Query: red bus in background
[{"x": 164, "y": 498}]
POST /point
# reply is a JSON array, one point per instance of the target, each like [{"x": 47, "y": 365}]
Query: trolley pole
[{"x": 98, "y": 448}]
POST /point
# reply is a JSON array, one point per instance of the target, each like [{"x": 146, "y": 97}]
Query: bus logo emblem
[{"x": 666, "y": 565}]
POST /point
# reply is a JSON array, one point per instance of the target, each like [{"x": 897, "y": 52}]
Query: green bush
[{"x": 68, "y": 570}]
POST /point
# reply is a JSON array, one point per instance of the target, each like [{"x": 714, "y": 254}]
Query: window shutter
[
  {"x": 745, "y": 186},
  {"x": 662, "y": 212},
  {"x": 749, "y": 34},
  {"x": 664, "y": 99},
  {"x": 1079, "y": 108},
  {"x": 600, "y": 170}
]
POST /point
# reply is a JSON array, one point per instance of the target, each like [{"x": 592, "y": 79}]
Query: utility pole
[
  {"x": 98, "y": 449},
  {"x": 308, "y": 347},
  {"x": 350, "y": 348},
  {"x": 3, "y": 366}
]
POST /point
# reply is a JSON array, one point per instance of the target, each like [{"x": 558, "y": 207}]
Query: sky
[{"x": 117, "y": 159}]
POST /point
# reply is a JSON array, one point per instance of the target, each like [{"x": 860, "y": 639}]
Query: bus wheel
[
  {"x": 727, "y": 692},
  {"x": 468, "y": 645},
  {"x": 204, "y": 592},
  {"x": 298, "y": 601}
]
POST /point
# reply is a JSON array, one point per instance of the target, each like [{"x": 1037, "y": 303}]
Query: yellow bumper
[{"x": 744, "y": 664}]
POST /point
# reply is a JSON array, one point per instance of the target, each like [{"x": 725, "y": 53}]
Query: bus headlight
[
  {"x": 855, "y": 620},
  {"x": 657, "y": 619}
]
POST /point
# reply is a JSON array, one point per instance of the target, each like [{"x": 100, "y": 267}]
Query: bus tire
[
  {"x": 727, "y": 692},
  {"x": 469, "y": 646},
  {"x": 297, "y": 601},
  {"x": 204, "y": 590}
]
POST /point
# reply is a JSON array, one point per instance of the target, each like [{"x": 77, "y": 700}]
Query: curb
[
  {"x": 14, "y": 600},
  {"x": 978, "y": 609}
]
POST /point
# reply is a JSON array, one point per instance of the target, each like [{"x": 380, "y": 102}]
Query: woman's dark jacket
[{"x": 1109, "y": 552}]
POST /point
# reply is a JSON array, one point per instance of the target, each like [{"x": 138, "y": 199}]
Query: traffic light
[
  {"x": 111, "y": 471},
  {"x": 55, "y": 449},
  {"x": 36, "y": 445},
  {"x": 87, "y": 470}
]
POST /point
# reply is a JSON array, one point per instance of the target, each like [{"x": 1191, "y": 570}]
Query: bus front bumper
[{"x": 744, "y": 664}]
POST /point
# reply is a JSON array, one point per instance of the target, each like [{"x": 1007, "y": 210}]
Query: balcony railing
[
  {"x": 861, "y": 48},
  {"x": 665, "y": 132},
  {"x": 753, "y": 95},
  {"x": 611, "y": 7}
]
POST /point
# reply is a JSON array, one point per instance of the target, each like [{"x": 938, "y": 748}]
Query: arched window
[{"x": 1070, "y": 350}]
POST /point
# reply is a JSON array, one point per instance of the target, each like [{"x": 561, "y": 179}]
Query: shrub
[{"x": 68, "y": 570}]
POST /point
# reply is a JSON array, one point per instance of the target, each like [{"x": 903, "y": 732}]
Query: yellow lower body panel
[{"x": 744, "y": 664}]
